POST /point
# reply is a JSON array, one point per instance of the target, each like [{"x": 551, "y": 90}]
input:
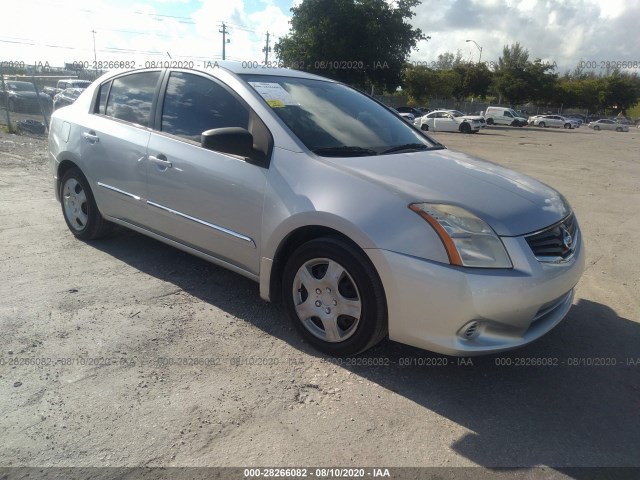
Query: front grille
[{"x": 556, "y": 243}]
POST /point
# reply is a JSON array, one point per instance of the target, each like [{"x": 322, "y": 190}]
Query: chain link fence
[{"x": 27, "y": 94}]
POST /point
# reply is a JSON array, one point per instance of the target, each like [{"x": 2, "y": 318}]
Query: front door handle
[
  {"x": 91, "y": 136},
  {"x": 161, "y": 161}
]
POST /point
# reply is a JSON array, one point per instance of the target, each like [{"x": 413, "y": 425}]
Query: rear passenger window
[
  {"x": 131, "y": 96},
  {"x": 194, "y": 104}
]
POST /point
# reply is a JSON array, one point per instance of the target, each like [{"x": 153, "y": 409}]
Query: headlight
[{"x": 469, "y": 241}]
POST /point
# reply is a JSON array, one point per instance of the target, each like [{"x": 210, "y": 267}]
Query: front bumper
[{"x": 468, "y": 311}]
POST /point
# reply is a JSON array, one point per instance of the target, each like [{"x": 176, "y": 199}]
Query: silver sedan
[
  {"x": 606, "y": 124},
  {"x": 553, "y": 121},
  {"x": 359, "y": 224}
]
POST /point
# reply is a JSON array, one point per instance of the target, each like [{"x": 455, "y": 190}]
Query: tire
[
  {"x": 597, "y": 127},
  {"x": 79, "y": 207},
  {"x": 465, "y": 127},
  {"x": 619, "y": 129},
  {"x": 312, "y": 300},
  {"x": 541, "y": 124},
  {"x": 489, "y": 121},
  {"x": 424, "y": 127}
]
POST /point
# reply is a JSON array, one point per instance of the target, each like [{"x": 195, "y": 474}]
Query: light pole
[
  {"x": 95, "y": 58},
  {"x": 479, "y": 48}
]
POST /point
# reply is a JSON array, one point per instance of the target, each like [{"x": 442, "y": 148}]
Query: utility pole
[
  {"x": 224, "y": 40},
  {"x": 266, "y": 50}
]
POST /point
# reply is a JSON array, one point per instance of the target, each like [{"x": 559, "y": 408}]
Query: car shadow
[{"x": 571, "y": 399}]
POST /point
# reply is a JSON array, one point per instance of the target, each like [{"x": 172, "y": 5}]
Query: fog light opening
[{"x": 470, "y": 331}]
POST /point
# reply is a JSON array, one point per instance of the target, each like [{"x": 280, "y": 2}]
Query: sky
[{"x": 561, "y": 32}]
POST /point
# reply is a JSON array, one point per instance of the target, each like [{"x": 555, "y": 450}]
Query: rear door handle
[
  {"x": 161, "y": 161},
  {"x": 91, "y": 137}
]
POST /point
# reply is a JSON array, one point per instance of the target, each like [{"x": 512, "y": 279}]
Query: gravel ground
[{"x": 127, "y": 352}]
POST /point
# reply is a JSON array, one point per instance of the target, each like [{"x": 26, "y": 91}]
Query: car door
[
  {"x": 445, "y": 122},
  {"x": 114, "y": 145},
  {"x": 207, "y": 200},
  {"x": 506, "y": 118}
]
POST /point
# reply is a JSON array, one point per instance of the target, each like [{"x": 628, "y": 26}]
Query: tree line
[{"x": 517, "y": 80}]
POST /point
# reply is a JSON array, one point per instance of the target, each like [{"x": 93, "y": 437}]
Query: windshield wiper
[
  {"x": 409, "y": 147},
  {"x": 344, "y": 151}
]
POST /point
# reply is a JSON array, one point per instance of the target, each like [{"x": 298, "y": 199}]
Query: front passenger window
[{"x": 194, "y": 104}]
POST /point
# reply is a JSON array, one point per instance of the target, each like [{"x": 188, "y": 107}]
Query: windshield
[
  {"x": 335, "y": 120},
  {"x": 21, "y": 86},
  {"x": 456, "y": 113}
]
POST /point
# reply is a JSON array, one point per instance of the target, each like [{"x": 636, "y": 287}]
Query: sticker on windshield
[{"x": 274, "y": 94}]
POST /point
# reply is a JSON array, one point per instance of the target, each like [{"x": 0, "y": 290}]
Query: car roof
[{"x": 248, "y": 68}]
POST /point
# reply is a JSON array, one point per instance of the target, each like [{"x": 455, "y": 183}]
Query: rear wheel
[
  {"x": 424, "y": 127},
  {"x": 334, "y": 297},
  {"x": 79, "y": 207}
]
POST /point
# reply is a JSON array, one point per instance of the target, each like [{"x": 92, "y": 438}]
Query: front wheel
[
  {"x": 541, "y": 124},
  {"x": 424, "y": 127},
  {"x": 619, "y": 129},
  {"x": 465, "y": 127},
  {"x": 334, "y": 297},
  {"x": 489, "y": 121},
  {"x": 79, "y": 207},
  {"x": 597, "y": 127}
]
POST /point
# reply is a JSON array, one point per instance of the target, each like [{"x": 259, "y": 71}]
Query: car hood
[{"x": 511, "y": 203}]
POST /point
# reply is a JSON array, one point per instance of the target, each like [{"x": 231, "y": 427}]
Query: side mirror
[{"x": 232, "y": 140}]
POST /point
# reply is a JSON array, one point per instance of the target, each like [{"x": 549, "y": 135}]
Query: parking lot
[{"x": 127, "y": 352}]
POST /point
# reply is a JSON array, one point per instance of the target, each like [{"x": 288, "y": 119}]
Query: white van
[{"x": 503, "y": 116}]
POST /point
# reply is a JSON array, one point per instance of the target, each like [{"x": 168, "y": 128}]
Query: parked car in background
[
  {"x": 22, "y": 97},
  {"x": 408, "y": 117},
  {"x": 446, "y": 121},
  {"x": 64, "y": 84},
  {"x": 557, "y": 121},
  {"x": 578, "y": 118},
  {"x": 459, "y": 114},
  {"x": 504, "y": 116},
  {"x": 66, "y": 97},
  {"x": 608, "y": 124},
  {"x": 357, "y": 223},
  {"x": 415, "y": 111}
]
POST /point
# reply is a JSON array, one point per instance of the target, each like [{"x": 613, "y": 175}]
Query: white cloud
[{"x": 559, "y": 31}]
